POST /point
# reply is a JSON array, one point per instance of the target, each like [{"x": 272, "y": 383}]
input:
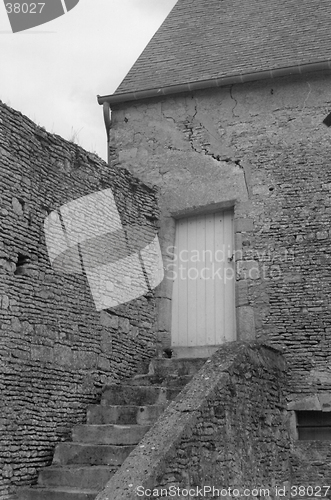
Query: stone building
[
  {"x": 226, "y": 111},
  {"x": 223, "y": 112}
]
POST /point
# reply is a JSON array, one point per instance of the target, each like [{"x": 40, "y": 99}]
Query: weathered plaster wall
[
  {"x": 263, "y": 145},
  {"x": 226, "y": 429},
  {"x": 56, "y": 350}
]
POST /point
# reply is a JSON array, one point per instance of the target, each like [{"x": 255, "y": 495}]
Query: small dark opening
[
  {"x": 167, "y": 352},
  {"x": 22, "y": 260},
  {"x": 314, "y": 425},
  {"x": 327, "y": 120},
  {"x": 22, "y": 202},
  {"x": 271, "y": 188},
  {"x": 46, "y": 209}
]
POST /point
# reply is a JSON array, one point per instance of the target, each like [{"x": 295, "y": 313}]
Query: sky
[{"x": 52, "y": 73}]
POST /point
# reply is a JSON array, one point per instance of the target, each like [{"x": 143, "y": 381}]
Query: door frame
[{"x": 244, "y": 310}]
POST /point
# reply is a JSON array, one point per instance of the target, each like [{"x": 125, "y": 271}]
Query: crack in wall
[
  {"x": 189, "y": 127},
  {"x": 235, "y": 100},
  {"x": 307, "y": 97},
  {"x": 247, "y": 174},
  {"x": 192, "y": 136}
]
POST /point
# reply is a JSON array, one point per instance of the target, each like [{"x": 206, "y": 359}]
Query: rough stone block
[
  {"x": 238, "y": 245},
  {"x": 246, "y": 323},
  {"x": 124, "y": 325},
  {"x": 63, "y": 355},
  {"x": 244, "y": 225},
  {"x": 103, "y": 363},
  {"x": 260, "y": 190},
  {"x": 85, "y": 359},
  {"x": 248, "y": 270},
  {"x": 241, "y": 289},
  {"x": 306, "y": 404},
  {"x": 17, "y": 206},
  {"x": 4, "y": 302},
  {"x": 325, "y": 401},
  {"x": 164, "y": 314},
  {"x": 108, "y": 320},
  {"x": 42, "y": 353}
]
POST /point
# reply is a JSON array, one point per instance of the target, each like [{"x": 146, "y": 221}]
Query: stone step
[
  {"x": 39, "y": 493},
  {"x": 138, "y": 395},
  {"x": 81, "y": 468},
  {"x": 164, "y": 367},
  {"x": 83, "y": 477},
  {"x": 89, "y": 453},
  {"x": 203, "y": 352},
  {"x": 117, "y": 414},
  {"x": 109, "y": 433},
  {"x": 170, "y": 380}
]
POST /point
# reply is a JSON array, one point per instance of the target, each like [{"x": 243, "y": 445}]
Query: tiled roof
[{"x": 205, "y": 39}]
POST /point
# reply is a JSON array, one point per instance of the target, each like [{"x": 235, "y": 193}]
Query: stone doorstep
[
  {"x": 81, "y": 467},
  {"x": 198, "y": 352},
  {"x": 164, "y": 367}
]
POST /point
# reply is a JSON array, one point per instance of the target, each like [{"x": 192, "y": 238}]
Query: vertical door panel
[
  {"x": 182, "y": 283},
  {"x": 209, "y": 334},
  {"x": 201, "y": 283},
  {"x": 191, "y": 283}
]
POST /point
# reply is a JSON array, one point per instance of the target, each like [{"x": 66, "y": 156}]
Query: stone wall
[
  {"x": 227, "y": 429},
  {"x": 310, "y": 462},
  {"x": 263, "y": 148},
  {"x": 56, "y": 349}
]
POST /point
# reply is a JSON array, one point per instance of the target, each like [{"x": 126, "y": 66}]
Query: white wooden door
[{"x": 203, "y": 305}]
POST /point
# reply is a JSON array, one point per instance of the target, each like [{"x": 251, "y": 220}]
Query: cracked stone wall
[
  {"x": 261, "y": 146},
  {"x": 56, "y": 349}
]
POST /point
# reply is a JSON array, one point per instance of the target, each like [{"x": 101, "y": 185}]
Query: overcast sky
[{"x": 52, "y": 73}]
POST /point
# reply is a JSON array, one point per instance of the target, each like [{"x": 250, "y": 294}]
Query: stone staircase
[{"x": 83, "y": 466}]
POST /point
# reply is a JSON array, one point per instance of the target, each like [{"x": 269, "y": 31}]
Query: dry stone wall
[
  {"x": 56, "y": 349},
  {"x": 261, "y": 146}
]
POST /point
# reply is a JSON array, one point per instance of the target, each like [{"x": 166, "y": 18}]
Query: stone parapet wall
[
  {"x": 227, "y": 429},
  {"x": 56, "y": 349}
]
